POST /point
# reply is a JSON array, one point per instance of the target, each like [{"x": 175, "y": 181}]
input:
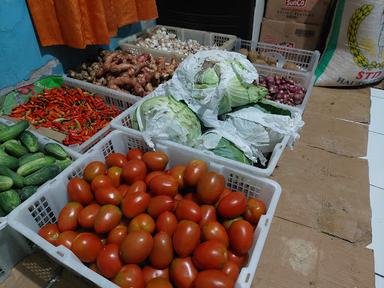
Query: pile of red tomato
[{"x": 140, "y": 225}]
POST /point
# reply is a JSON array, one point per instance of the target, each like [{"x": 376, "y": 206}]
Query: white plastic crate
[
  {"x": 306, "y": 80},
  {"x": 222, "y": 41},
  {"x": 13, "y": 246},
  {"x": 44, "y": 206},
  {"x": 305, "y": 59},
  {"x": 124, "y": 123}
]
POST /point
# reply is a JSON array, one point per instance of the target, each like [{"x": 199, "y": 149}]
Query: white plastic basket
[
  {"x": 305, "y": 59},
  {"x": 44, "y": 206},
  {"x": 306, "y": 80},
  {"x": 222, "y": 41},
  {"x": 124, "y": 123},
  {"x": 13, "y": 246}
]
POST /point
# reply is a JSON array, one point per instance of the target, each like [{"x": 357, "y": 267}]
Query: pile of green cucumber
[{"x": 23, "y": 167}]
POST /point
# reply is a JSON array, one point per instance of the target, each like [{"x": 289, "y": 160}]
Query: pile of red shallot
[
  {"x": 119, "y": 70},
  {"x": 283, "y": 90}
]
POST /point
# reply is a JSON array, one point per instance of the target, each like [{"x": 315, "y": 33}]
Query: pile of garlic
[{"x": 163, "y": 40}]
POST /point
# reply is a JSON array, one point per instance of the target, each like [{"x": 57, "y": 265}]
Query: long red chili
[{"x": 71, "y": 111}]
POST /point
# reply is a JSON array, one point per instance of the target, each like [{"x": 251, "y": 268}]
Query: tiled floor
[{"x": 376, "y": 175}]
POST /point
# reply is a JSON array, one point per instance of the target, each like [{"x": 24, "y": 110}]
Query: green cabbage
[
  {"x": 166, "y": 118},
  {"x": 228, "y": 150},
  {"x": 207, "y": 78}
]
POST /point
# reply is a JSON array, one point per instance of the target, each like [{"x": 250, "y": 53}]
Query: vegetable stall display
[
  {"x": 72, "y": 111},
  {"x": 120, "y": 70},
  {"x": 213, "y": 103},
  {"x": 23, "y": 167},
  {"x": 141, "y": 225}
]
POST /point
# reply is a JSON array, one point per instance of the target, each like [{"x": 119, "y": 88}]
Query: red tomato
[
  {"x": 159, "y": 283},
  {"x": 135, "y": 203},
  {"x": 183, "y": 272},
  {"x": 50, "y": 232},
  {"x": 93, "y": 169},
  {"x": 87, "y": 215},
  {"x": 108, "y": 218},
  {"x": 210, "y": 255},
  {"x": 210, "y": 187},
  {"x": 215, "y": 231},
  {"x": 213, "y": 279},
  {"x": 142, "y": 222},
  {"x": 192, "y": 197},
  {"x": 178, "y": 197},
  {"x": 108, "y": 261},
  {"x": 229, "y": 222},
  {"x": 86, "y": 247},
  {"x": 232, "y": 205},
  {"x": 188, "y": 210},
  {"x": 166, "y": 222},
  {"x": 240, "y": 260},
  {"x": 241, "y": 236},
  {"x": 108, "y": 195},
  {"x": 66, "y": 238},
  {"x": 134, "y": 170},
  {"x": 68, "y": 216},
  {"x": 186, "y": 237},
  {"x": 130, "y": 276},
  {"x": 150, "y": 273},
  {"x": 155, "y": 160},
  {"x": 136, "y": 247},
  {"x": 164, "y": 185},
  {"x": 193, "y": 172},
  {"x": 124, "y": 189},
  {"x": 101, "y": 181},
  {"x": 116, "y": 159},
  {"x": 162, "y": 252},
  {"x": 178, "y": 173},
  {"x": 79, "y": 191},
  {"x": 225, "y": 193},
  {"x": 208, "y": 214},
  {"x": 160, "y": 204},
  {"x": 231, "y": 269},
  {"x": 151, "y": 175},
  {"x": 114, "y": 173},
  {"x": 117, "y": 234},
  {"x": 138, "y": 186},
  {"x": 135, "y": 154},
  {"x": 255, "y": 208}
]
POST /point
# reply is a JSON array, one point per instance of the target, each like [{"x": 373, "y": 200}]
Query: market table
[{"x": 322, "y": 223}]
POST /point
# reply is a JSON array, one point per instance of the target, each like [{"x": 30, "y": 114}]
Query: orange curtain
[{"x": 78, "y": 23}]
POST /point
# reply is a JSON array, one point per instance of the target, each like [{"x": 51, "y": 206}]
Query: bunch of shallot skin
[
  {"x": 119, "y": 70},
  {"x": 283, "y": 90}
]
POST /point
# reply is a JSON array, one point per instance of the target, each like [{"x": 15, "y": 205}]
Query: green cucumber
[
  {"x": 27, "y": 192},
  {"x": 2, "y": 213},
  {"x": 30, "y": 141},
  {"x": 15, "y": 149},
  {"x": 63, "y": 163},
  {"x": 9, "y": 200},
  {"x": 42, "y": 175},
  {"x": 2, "y": 151},
  {"x": 9, "y": 161},
  {"x": 18, "y": 180},
  {"x": 55, "y": 150},
  {"x": 273, "y": 108},
  {"x": 11, "y": 132},
  {"x": 30, "y": 157},
  {"x": 2, "y": 127},
  {"x": 35, "y": 165},
  {"x": 5, "y": 183}
]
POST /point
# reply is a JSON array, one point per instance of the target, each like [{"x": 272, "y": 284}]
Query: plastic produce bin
[{"x": 44, "y": 206}]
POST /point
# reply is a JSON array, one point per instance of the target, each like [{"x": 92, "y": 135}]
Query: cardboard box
[
  {"x": 325, "y": 191},
  {"x": 296, "y": 256},
  {"x": 291, "y": 34},
  {"x": 301, "y": 11}
]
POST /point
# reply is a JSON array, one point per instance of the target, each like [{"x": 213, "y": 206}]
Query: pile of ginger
[{"x": 120, "y": 70}]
